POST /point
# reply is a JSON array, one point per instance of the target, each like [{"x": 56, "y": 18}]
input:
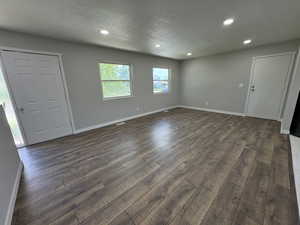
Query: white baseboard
[
  {"x": 121, "y": 120},
  {"x": 14, "y": 195},
  {"x": 212, "y": 110},
  {"x": 282, "y": 131}
]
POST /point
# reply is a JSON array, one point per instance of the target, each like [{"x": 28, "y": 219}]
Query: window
[
  {"x": 115, "y": 80},
  {"x": 161, "y": 78}
]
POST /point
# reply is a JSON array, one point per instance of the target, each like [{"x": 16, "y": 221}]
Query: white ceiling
[{"x": 179, "y": 26}]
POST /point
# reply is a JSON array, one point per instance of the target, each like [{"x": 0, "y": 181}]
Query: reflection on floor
[{"x": 184, "y": 167}]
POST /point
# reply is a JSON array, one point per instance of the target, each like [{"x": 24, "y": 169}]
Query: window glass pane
[
  {"x": 160, "y": 86},
  {"x": 116, "y": 88},
  {"x": 160, "y": 74},
  {"x": 114, "y": 72}
]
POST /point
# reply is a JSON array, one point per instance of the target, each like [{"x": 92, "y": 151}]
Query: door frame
[
  {"x": 63, "y": 78},
  {"x": 286, "y": 82}
]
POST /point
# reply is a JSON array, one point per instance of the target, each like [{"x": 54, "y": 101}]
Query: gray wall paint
[
  {"x": 81, "y": 69},
  {"x": 9, "y": 162},
  {"x": 213, "y": 79},
  {"x": 216, "y": 78}
]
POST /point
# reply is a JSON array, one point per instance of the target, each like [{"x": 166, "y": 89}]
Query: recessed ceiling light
[
  {"x": 157, "y": 46},
  {"x": 189, "y": 54},
  {"x": 104, "y": 32},
  {"x": 228, "y": 22},
  {"x": 247, "y": 42}
]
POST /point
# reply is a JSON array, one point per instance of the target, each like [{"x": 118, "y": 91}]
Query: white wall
[
  {"x": 9, "y": 164},
  {"x": 83, "y": 81},
  {"x": 215, "y": 79}
]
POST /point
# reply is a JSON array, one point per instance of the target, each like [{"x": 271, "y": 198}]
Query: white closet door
[
  {"x": 267, "y": 88},
  {"x": 38, "y": 90}
]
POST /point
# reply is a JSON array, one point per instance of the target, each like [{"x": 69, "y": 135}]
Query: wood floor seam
[{"x": 132, "y": 220}]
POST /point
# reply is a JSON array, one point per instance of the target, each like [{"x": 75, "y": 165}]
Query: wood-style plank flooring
[{"x": 182, "y": 167}]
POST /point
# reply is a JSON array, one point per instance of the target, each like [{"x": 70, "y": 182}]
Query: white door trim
[
  {"x": 286, "y": 83},
  {"x": 63, "y": 76},
  {"x": 64, "y": 83},
  {"x": 29, "y": 51}
]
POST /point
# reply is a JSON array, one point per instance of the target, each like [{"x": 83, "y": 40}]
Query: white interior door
[
  {"x": 39, "y": 94},
  {"x": 268, "y": 85}
]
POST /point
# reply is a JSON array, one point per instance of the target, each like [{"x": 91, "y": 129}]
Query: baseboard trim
[
  {"x": 282, "y": 131},
  {"x": 212, "y": 110},
  {"x": 14, "y": 195},
  {"x": 121, "y": 120}
]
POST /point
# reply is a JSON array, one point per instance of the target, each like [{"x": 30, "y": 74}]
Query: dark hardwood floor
[{"x": 182, "y": 167}]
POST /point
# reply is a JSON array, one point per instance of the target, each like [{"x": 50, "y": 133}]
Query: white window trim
[
  {"x": 169, "y": 80},
  {"x": 105, "y": 99}
]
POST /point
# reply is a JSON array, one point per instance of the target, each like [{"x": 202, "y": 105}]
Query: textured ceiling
[{"x": 179, "y": 26}]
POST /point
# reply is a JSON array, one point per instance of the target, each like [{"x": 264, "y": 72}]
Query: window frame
[
  {"x": 130, "y": 80},
  {"x": 169, "y": 80}
]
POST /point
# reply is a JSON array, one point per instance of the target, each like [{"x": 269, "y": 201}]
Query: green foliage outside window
[
  {"x": 115, "y": 80},
  {"x": 160, "y": 80}
]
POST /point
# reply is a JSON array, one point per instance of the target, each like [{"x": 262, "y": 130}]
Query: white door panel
[
  {"x": 267, "y": 88},
  {"x": 38, "y": 90}
]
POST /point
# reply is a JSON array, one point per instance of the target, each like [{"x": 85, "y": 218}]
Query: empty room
[{"x": 162, "y": 112}]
